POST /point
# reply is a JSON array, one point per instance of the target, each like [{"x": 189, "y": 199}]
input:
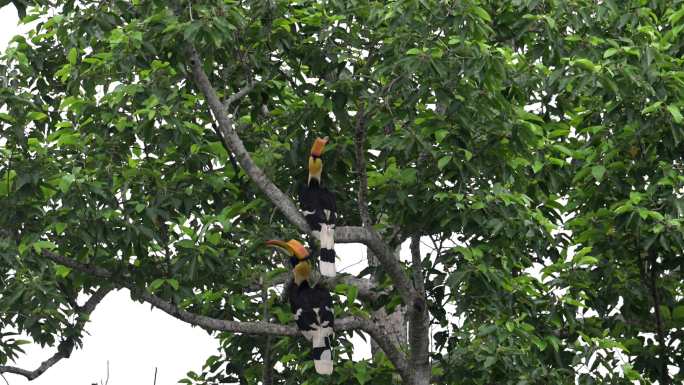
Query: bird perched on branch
[
  {"x": 312, "y": 306},
  {"x": 319, "y": 208}
]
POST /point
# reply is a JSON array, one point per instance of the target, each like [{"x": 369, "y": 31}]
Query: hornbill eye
[{"x": 294, "y": 261}]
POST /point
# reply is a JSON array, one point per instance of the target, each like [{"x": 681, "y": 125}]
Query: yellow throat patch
[{"x": 301, "y": 272}]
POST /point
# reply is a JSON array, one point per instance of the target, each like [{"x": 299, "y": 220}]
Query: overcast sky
[{"x": 133, "y": 337}]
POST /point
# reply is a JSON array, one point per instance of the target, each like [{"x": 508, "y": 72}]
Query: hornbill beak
[
  {"x": 318, "y": 146},
  {"x": 293, "y": 248},
  {"x": 282, "y": 245}
]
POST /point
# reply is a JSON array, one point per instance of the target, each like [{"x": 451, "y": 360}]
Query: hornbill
[
  {"x": 319, "y": 208},
  {"x": 312, "y": 306}
]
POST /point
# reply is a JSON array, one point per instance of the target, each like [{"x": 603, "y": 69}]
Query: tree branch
[
  {"x": 247, "y": 327},
  {"x": 368, "y": 236},
  {"x": 367, "y": 289},
  {"x": 396, "y": 356},
  {"x": 416, "y": 265},
  {"x": 238, "y": 95},
  {"x": 419, "y": 320},
  {"x": 234, "y": 143},
  {"x": 65, "y": 347}
]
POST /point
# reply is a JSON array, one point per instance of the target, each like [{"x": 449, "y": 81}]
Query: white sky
[{"x": 134, "y": 338}]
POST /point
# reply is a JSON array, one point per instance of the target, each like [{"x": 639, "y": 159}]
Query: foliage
[{"x": 538, "y": 144}]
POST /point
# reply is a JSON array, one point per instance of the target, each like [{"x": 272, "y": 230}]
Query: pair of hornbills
[{"x": 312, "y": 305}]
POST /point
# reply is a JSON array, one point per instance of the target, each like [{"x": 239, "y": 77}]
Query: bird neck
[
  {"x": 315, "y": 169},
  {"x": 301, "y": 272}
]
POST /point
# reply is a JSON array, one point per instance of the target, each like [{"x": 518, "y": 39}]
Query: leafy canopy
[{"x": 536, "y": 145}]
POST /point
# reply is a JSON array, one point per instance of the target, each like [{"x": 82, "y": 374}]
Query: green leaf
[
  {"x": 65, "y": 182},
  {"x": 541, "y": 344},
  {"x": 440, "y": 135},
  {"x": 610, "y": 52},
  {"x": 585, "y": 64},
  {"x": 676, "y": 113},
  {"x": 587, "y": 260},
  {"x": 665, "y": 312},
  {"x": 156, "y": 284},
  {"x": 510, "y": 326},
  {"x": 173, "y": 283},
  {"x": 486, "y": 330},
  {"x": 491, "y": 360},
  {"x": 482, "y": 14},
  {"x": 36, "y": 116},
  {"x": 443, "y": 161},
  {"x": 678, "y": 313},
  {"x": 361, "y": 373},
  {"x": 524, "y": 115},
  {"x": 40, "y": 245},
  {"x": 652, "y": 107},
  {"x": 598, "y": 172},
  {"x": 6, "y": 117},
  {"x": 62, "y": 271},
  {"x": 537, "y": 166},
  {"x": 676, "y": 16},
  {"x": 59, "y": 227},
  {"x": 352, "y": 292},
  {"x": 72, "y": 56},
  {"x": 554, "y": 341}
]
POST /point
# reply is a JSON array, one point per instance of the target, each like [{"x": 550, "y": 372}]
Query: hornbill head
[
  {"x": 315, "y": 162},
  {"x": 299, "y": 257}
]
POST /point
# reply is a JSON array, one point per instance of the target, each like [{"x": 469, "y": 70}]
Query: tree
[{"x": 535, "y": 146}]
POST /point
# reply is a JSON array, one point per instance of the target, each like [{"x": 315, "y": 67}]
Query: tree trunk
[
  {"x": 419, "y": 322},
  {"x": 395, "y": 323}
]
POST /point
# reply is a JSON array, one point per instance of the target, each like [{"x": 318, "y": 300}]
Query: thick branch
[
  {"x": 391, "y": 265},
  {"x": 396, "y": 356},
  {"x": 367, "y": 289},
  {"x": 234, "y": 143},
  {"x": 238, "y": 95},
  {"x": 416, "y": 265},
  {"x": 419, "y": 321},
  {"x": 65, "y": 347},
  {"x": 264, "y": 328}
]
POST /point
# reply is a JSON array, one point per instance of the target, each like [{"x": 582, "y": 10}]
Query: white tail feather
[
  {"x": 325, "y": 364},
  {"x": 327, "y": 236},
  {"x": 327, "y": 269}
]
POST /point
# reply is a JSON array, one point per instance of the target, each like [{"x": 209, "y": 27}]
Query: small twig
[
  {"x": 3, "y": 377},
  {"x": 155, "y": 376},
  {"x": 107, "y": 380}
]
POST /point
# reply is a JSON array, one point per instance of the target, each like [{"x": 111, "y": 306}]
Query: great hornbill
[
  {"x": 312, "y": 306},
  {"x": 319, "y": 208}
]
